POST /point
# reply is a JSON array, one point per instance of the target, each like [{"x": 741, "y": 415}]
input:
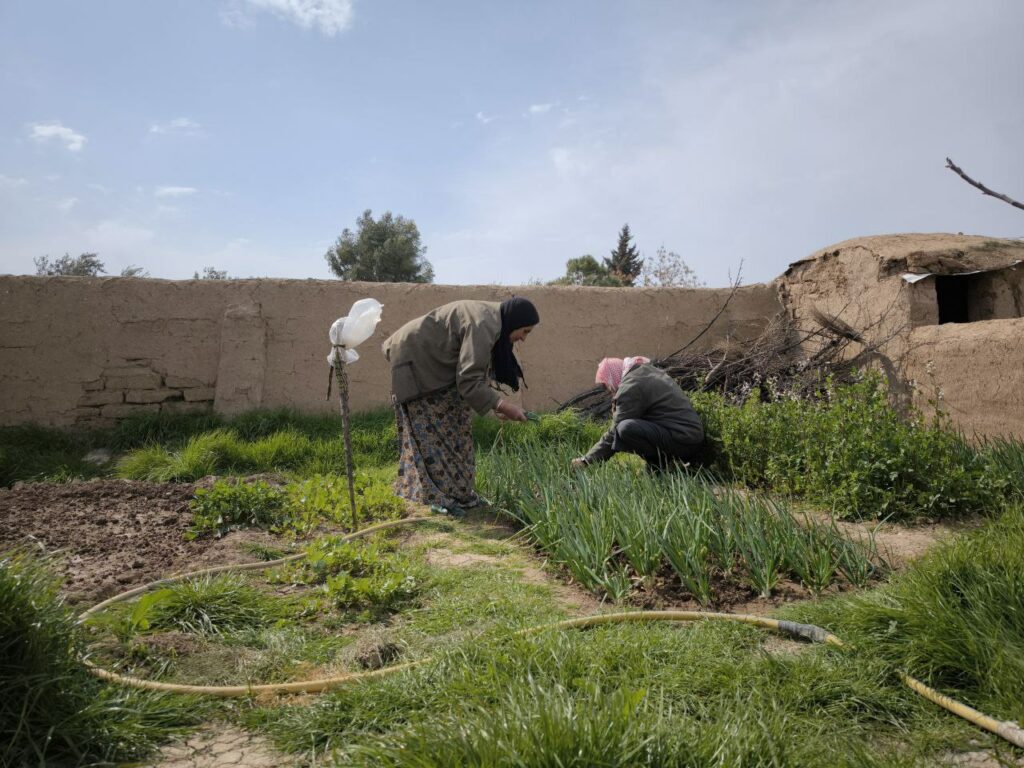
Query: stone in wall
[{"x": 134, "y": 387}]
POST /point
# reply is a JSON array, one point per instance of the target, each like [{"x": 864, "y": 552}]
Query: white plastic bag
[
  {"x": 355, "y": 328},
  {"x": 360, "y": 323}
]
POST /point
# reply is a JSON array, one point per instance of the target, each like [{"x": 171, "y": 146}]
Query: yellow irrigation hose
[{"x": 1005, "y": 729}]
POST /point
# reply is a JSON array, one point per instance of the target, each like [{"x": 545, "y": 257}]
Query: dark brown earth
[{"x": 109, "y": 535}]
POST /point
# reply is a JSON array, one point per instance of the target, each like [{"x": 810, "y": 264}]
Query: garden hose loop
[{"x": 1008, "y": 730}]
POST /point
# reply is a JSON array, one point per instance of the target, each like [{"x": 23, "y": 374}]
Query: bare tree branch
[
  {"x": 978, "y": 185},
  {"x": 735, "y": 287}
]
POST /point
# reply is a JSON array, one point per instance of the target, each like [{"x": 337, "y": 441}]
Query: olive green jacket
[
  {"x": 450, "y": 346},
  {"x": 648, "y": 393}
]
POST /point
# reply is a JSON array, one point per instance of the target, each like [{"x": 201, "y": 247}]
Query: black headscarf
[{"x": 516, "y": 313}]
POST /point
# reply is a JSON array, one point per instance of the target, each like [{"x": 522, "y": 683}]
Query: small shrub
[{"x": 848, "y": 449}]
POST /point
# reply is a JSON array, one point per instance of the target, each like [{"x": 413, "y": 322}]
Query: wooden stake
[{"x": 341, "y": 375}]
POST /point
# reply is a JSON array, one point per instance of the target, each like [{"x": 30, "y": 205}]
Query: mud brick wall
[
  {"x": 975, "y": 371},
  {"x": 93, "y": 350}
]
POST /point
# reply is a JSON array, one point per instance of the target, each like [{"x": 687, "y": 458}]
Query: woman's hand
[{"x": 510, "y": 411}]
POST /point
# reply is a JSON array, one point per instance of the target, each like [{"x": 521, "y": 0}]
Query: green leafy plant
[
  {"x": 228, "y": 505},
  {"x": 365, "y": 574},
  {"x": 850, "y": 450}
]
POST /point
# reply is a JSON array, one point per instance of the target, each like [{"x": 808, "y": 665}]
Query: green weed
[
  {"x": 367, "y": 575},
  {"x": 208, "y": 605},
  {"x": 39, "y": 453}
]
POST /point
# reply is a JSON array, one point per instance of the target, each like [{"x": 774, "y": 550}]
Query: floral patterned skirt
[{"x": 436, "y": 464}]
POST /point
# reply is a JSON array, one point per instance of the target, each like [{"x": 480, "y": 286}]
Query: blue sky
[{"x": 246, "y": 134}]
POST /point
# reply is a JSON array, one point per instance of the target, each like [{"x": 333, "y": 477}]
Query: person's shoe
[{"x": 453, "y": 511}]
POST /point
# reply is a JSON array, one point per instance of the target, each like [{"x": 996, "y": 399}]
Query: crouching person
[{"x": 651, "y": 416}]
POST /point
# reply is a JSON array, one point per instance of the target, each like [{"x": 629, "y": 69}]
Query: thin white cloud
[
  {"x": 10, "y": 182},
  {"x": 540, "y": 109},
  {"x": 179, "y": 125},
  {"x": 118, "y": 241},
  {"x": 330, "y": 17},
  {"x": 839, "y": 140},
  {"x": 175, "y": 191},
  {"x": 67, "y": 204},
  {"x": 42, "y": 132},
  {"x": 484, "y": 119}
]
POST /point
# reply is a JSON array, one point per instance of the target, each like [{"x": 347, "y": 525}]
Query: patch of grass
[
  {"x": 954, "y": 618},
  {"x": 52, "y": 711},
  {"x": 474, "y": 598},
  {"x": 1006, "y": 457},
  {"x": 226, "y": 452},
  {"x": 619, "y": 695},
  {"x": 208, "y": 605},
  {"x": 40, "y": 453}
]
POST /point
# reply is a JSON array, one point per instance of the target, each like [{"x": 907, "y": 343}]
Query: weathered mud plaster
[
  {"x": 861, "y": 281},
  {"x": 975, "y": 371},
  {"x": 87, "y": 350},
  {"x": 264, "y": 342},
  {"x": 243, "y": 359}
]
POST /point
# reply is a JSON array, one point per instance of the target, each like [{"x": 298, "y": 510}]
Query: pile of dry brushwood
[{"x": 787, "y": 358}]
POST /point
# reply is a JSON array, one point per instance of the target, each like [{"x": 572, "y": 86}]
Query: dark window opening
[{"x": 951, "y": 292}]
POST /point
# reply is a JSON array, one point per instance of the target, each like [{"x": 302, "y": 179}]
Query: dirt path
[{"x": 220, "y": 745}]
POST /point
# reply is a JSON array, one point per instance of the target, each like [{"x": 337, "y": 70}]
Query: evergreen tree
[
  {"x": 384, "y": 251},
  {"x": 586, "y": 270},
  {"x": 625, "y": 263}
]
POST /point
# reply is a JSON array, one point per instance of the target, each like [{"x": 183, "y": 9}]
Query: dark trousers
[{"x": 655, "y": 444}]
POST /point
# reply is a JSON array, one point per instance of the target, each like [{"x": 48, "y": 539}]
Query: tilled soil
[{"x": 111, "y": 535}]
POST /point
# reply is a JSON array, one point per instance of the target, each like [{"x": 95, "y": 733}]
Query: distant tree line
[
  {"x": 389, "y": 250},
  {"x": 89, "y": 265}
]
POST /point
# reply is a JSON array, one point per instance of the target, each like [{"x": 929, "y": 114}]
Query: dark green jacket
[
  {"x": 648, "y": 393},
  {"x": 450, "y": 346}
]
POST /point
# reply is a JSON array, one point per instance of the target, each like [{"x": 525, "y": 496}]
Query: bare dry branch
[{"x": 978, "y": 185}]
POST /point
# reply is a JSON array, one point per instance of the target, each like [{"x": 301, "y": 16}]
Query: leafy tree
[
  {"x": 84, "y": 265},
  {"x": 667, "y": 269},
  {"x": 625, "y": 263},
  {"x": 384, "y": 251},
  {"x": 586, "y": 270},
  {"x": 209, "y": 273},
  {"x": 132, "y": 271}
]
